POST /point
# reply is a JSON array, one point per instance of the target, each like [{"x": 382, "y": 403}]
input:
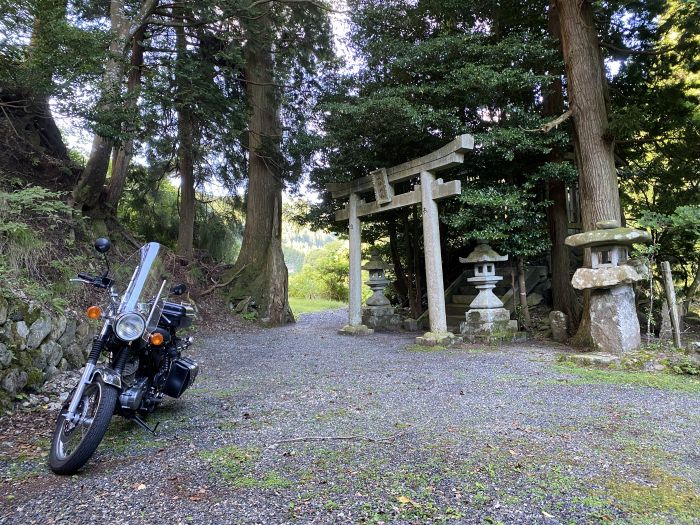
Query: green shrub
[{"x": 324, "y": 274}]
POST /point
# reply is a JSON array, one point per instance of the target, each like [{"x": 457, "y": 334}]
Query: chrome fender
[{"x": 109, "y": 376}]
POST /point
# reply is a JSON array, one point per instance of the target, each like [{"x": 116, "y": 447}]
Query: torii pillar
[{"x": 427, "y": 193}]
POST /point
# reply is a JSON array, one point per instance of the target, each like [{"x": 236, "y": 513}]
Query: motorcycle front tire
[{"x": 96, "y": 408}]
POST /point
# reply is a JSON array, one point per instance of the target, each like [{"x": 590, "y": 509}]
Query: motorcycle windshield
[{"x": 146, "y": 291}]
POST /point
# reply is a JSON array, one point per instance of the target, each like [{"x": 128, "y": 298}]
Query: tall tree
[
  {"x": 594, "y": 145},
  {"x": 89, "y": 188},
  {"x": 260, "y": 268}
]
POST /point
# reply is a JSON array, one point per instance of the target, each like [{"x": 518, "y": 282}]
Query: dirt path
[{"x": 460, "y": 436}]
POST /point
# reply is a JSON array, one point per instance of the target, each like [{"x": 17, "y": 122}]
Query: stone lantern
[
  {"x": 378, "y": 314},
  {"x": 614, "y": 323},
  {"x": 486, "y": 318},
  {"x": 377, "y": 280}
]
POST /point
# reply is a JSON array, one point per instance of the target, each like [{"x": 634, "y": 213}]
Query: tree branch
[
  {"x": 627, "y": 51},
  {"x": 549, "y": 126}
]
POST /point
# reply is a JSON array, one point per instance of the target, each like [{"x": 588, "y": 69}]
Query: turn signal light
[
  {"x": 94, "y": 312},
  {"x": 156, "y": 339}
]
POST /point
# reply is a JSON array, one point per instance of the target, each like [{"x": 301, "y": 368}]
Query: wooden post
[
  {"x": 671, "y": 299},
  {"x": 433, "y": 257}
]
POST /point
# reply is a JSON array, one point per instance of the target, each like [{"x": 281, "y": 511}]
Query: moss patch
[
  {"x": 661, "y": 381},
  {"x": 236, "y": 467},
  {"x": 661, "y": 495}
]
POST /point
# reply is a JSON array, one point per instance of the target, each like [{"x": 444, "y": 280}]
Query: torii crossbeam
[{"x": 427, "y": 193}]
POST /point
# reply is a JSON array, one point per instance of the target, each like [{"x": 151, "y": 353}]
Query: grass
[
  {"x": 662, "y": 381},
  {"x": 305, "y": 306},
  {"x": 659, "y": 496}
]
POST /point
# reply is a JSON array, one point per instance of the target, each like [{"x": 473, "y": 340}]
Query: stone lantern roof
[
  {"x": 607, "y": 236},
  {"x": 483, "y": 253},
  {"x": 375, "y": 262}
]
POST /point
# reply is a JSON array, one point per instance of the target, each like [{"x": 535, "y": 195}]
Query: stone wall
[{"x": 36, "y": 344}]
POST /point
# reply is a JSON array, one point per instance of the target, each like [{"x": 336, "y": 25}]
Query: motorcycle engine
[{"x": 131, "y": 397}]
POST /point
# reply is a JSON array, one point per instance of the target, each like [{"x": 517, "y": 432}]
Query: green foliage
[
  {"x": 508, "y": 216},
  {"x": 21, "y": 245},
  {"x": 324, "y": 275},
  {"x": 150, "y": 209}
]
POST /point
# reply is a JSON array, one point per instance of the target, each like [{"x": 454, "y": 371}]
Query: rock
[
  {"x": 594, "y": 358},
  {"x": 598, "y": 278},
  {"x": 437, "y": 339},
  {"x": 14, "y": 381},
  {"x": 533, "y": 299},
  {"x": 74, "y": 356},
  {"x": 410, "y": 325},
  {"x": 4, "y": 306},
  {"x": 68, "y": 336},
  {"x": 21, "y": 331},
  {"x": 38, "y": 331},
  {"x": 5, "y": 356},
  {"x": 558, "y": 322},
  {"x": 695, "y": 345},
  {"x": 50, "y": 355},
  {"x": 59, "y": 327},
  {"x": 50, "y": 372},
  {"x": 614, "y": 323},
  {"x": 355, "y": 330}
]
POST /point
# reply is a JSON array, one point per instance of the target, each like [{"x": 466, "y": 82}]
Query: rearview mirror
[{"x": 102, "y": 245}]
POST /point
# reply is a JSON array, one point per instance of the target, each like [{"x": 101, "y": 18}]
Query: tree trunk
[
  {"x": 522, "y": 294},
  {"x": 90, "y": 186},
  {"x": 587, "y": 90},
  {"x": 262, "y": 273},
  {"x": 120, "y": 162},
  {"x": 42, "y": 48},
  {"x": 186, "y": 131},
  {"x": 563, "y": 295},
  {"x": 401, "y": 284}
]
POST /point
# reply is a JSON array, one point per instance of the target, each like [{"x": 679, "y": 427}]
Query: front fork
[{"x": 97, "y": 347}]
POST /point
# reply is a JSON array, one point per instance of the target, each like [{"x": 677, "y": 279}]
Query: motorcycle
[{"x": 144, "y": 357}]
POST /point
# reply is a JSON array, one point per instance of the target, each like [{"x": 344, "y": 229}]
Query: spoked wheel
[{"x": 75, "y": 442}]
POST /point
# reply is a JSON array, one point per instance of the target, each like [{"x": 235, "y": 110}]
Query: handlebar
[{"x": 100, "y": 282}]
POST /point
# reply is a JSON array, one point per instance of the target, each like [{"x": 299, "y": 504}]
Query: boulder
[
  {"x": 38, "y": 331},
  {"x": 68, "y": 336},
  {"x": 4, "y": 307},
  {"x": 51, "y": 354},
  {"x": 20, "y": 331},
  {"x": 59, "y": 327},
  {"x": 614, "y": 323},
  {"x": 14, "y": 381},
  {"x": 558, "y": 322},
  {"x": 74, "y": 356},
  {"x": 5, "y": 356}
]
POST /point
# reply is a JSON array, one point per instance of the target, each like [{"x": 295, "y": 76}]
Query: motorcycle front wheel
[{"x": 74, "y": 443}]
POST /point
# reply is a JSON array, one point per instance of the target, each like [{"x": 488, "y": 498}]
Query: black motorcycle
[{"x": 144, "y": 361}]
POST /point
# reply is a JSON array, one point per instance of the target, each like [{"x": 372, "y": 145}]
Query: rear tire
[{"x": 73, "y": 444}]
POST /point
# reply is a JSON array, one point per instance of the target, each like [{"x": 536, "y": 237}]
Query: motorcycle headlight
[{"x": 130, "y": 327}]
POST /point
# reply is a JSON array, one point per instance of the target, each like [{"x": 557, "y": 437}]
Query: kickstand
[{"x": 140, "y": 422}]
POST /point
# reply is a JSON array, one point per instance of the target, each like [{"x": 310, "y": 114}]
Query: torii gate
[{"x": 426, "y": 193}]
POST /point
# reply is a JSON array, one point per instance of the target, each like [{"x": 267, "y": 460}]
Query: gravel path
[{"x": 300, "y": 425}]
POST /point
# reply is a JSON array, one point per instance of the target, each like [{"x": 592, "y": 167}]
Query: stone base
[
  {"x": 488, "y": 325},
  {"x": 614, "y": 323},
  {"x": 381, "y": 318},
  {"x": 358, "y": 330},
  {"x": 436, "y": 339}
]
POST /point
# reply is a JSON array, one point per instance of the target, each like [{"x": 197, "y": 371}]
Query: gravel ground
[{"x": 300, "y": 425}]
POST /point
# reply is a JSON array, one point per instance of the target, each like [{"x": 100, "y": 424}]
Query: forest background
[{"x": 252, "y": 97}]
